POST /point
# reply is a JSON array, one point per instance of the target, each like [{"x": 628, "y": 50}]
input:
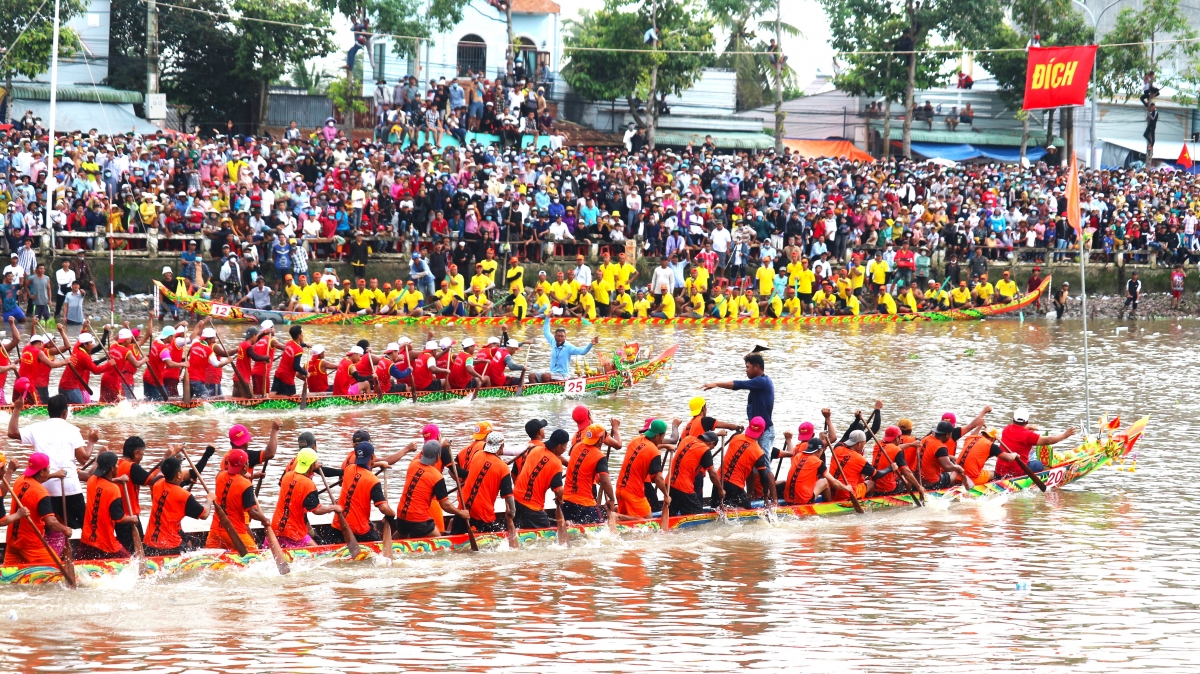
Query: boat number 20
[{"x": 574, "y": 387}]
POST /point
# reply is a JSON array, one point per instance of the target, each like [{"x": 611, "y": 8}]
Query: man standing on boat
[
  {"x": 761, "y": 401},
  {"x": 1020, "y": 439},
  {"x": 561, "y": 352}
]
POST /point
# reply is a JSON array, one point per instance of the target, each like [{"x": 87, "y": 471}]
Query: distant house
[{"x": 478, "y": 43}]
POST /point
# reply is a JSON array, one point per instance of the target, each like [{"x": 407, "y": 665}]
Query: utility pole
[
  {"x": 778, "y": 80},
  {"x": 151, "y": 47},
  {"x": 652, "y": 106}
]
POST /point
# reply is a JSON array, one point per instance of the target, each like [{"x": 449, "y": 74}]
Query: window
[
  {"x": 380, "y": 57},
  {"x": 472, "y": 54}
]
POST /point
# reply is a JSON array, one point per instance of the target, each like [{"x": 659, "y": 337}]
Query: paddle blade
[
  {"x": 386, "y": 545},
  {"x": 281, "y": 562}
]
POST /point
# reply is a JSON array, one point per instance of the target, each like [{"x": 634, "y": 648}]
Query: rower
[
  {"x": 290, "y": 365},
  {"x": 244, "y": 365},
  {"x": 582, "y": 417},
  {"x": 169, "y": 504},
  {"x": 71, "y": 386},
  {"x": 105, "y": 511},
  {"x": 693, "y": 457},
  {"x": 423, "y": 485},
  {"x": 744, "y": 458},
  {"x": 642, "y": 464},
  {"x": 201, "y": 357},
  {"x": 298, "y": 497},
  {"x": 178, "y": 354},
  {"x": 561, "y": 353},
  {"x": 586, "y": 467},
  {"x": 478, "y": 439},
  {"x": 486, "y": 479},
  {"x": 443, "y": 359},
  {"x": 215, "y": 370},
  {"x": 889, "y": 461},
  {"x": 935, "y": 463},
  {"x": 502, "y": 361},
  {"x": 851, "y": 468},
  {"x": 348, "y": 380},
  {"x": 976, "y": 451},
  {"x": 116, "y": 383},
  {"x": 317, "y": 371},
  {"x": 31, "y": 500},
  {"x": 6, "y": 364},
  {"x": 130, "y": 466},
  {"x": 536, "y": 430},
  {"x": 426, "y": 372},
  {"x": 808, "y": 480},
  {"x": 263, "y": 354},
  {"x": 1019, "y": 439},
  {"x": 696, "y": 426},
  {"x": 160, "y": 366},
  {"x": 401, "y": 369},
  {"x": 36, "y": 365},
  {"x": 235, "y": 493},
  {"x": 361, "y": 489},
  {"x": 462, "y": 368},
  {"x": 541, "y": 471}
]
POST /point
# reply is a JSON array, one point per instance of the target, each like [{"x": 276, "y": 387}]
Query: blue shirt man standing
[
  {"x": 561, "y": 352},
  {"x": 761, "y": 401}
]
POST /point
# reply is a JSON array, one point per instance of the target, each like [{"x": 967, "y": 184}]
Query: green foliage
[
  {"x": 265, "y": 50},
  {"x": 750, "y": 28},
  {"x": 419, "y": 18},
  {"x": 869, "y": 26},
  {"x": 1055, "y": 20},
  {"x": 1120, "y": 69},
  {"x": 308, "y": 78},
  {"x": 30, "y": 56},
  {"x": 343, "y": 93}
]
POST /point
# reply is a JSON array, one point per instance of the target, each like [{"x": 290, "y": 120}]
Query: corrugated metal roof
[
  {"x": 966, "y": 136},
  {"x": 725, "y": 141},
  {"x": 37, "y": 91}
]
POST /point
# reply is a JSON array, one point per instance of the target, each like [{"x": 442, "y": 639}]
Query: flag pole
[{"x": 1073, "y": 215}]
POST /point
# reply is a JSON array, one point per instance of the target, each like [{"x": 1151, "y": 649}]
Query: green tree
[
  {"x": 308, "y": 77},
  {"x": 30, "y": 33},
  {"x": 1162, "y": 34},
  {"x": 745, "y": 21},
  {"x": 269, "y": 39}
]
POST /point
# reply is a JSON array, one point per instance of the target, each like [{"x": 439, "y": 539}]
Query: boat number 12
[
  {"x": 220, "y": 310},
  {"x": 574, "y": 387}
]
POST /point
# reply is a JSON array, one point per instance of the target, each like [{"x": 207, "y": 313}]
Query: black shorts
[
  {"x": 527, "y": 518},
  {"x": 406, "y": 529},
  {"x": 602, "y": 309},
  {"x": 152, "y": 551},
  {"x": 76, "y": 509},
  {"x": 806, "y": 298},
  {"x": 686, "y": 504},
  {"x": 581, "y": 514},
  {"x": 83, "y": 551},
  {"x": 459, "y": 526},
  {"x": 435, "y": 385},
  {"x": 735, "y": 497},
  {"x": 281, "y": 388},
  {"x": 942, "y": 482}
]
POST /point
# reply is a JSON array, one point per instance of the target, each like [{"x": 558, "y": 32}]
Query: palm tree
[
  {"x": 743, "y": 21},
  {"x": 309, "y": 78}
]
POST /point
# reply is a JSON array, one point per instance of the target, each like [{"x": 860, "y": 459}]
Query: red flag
[
  {"x": 1185, "y": 159},
  {"x": 1073, "y": 196},
  {"x": 1057, "y": 76}
]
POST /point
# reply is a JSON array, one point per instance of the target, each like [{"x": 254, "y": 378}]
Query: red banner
[{"x": 1058, "y": 76}]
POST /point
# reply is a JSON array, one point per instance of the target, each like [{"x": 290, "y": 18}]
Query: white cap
[
  {"x": 180, "y": 341},
  {"x": 267, "y": 325},
  {"x": 431, "y": 345},
  {"x": 446, "y": 343},
  {"x": 392, "y": 346},
  {"x": 318, "y": 350},
  {"x": 356, "y": 349},
  {"x": 126, "y": 333},
  {"x": 86, "y": 338},
  {"x": 557, "y": 311},
  {"x": 208, "y": 333},
  {"x": 468, "y": 342},
  {"x": 493, "y": 340},
  {"x": 40, "y": 338},
  {"x": 513, "y": 344},
  {"x": 167, "y": 270},
  {"x": 403, "y": 341},
  {"x": 1021, "y": 415}
]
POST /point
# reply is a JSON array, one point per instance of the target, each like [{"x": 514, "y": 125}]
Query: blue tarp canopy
[{"x": 965, "y": 152}]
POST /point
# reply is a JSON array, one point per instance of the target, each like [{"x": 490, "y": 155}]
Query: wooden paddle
[
  {"x": 411, "y": 378},
  {"x": 230, "y": 532},
  {"x": 666, "y": 510},
  {"x": 69, "y": 571},
  {"x": 842, "y": 475},
  {"x": 1020, "y": 462},
  {"x": 386, "y": 545},
  {"x": 68, "y": 576},
  {"x": 277, "y": 552},
  {"x": 71, "y": 365},
  {"x": 911, "y": 492},
  {"x": 462, "y": 506},
  {"x": 347, "y": 535},
  {"x": 304, "y": 401},
  {"x": 524, "y": 373},
  {"x": 139, "y": 552}
]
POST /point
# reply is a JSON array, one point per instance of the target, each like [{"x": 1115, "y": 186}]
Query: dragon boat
[
  {"x": 617, "y": 375},
  {"x": 1065, "y": 468},
  {"x": 235, "y": 314}
]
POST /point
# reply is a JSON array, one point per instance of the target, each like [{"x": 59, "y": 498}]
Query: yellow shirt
[
  {"x": 543, "y": 285},
  {"x": 985, "y": 290},
  {"x": 766, "y": 279},
  {"x": 333, "y": 296},
  {"x": 696, "y": 283},
  {"x": 489, "y": 269},
  {"x": 857, "y": 277},
  {"x": 520, "y": 306},
  {"x": 723, "y": 303},
  {"x": 292, "y": 291},
  {"x": 908, "y": 299},
  {"x": 878, "y": 270},
  {"x": 641, "y": 308},
  {"x": 698, "y": 303},
  {"x": 961, "y": 295},
  {"x": 601, "y": 290},
  {"x": 477, "y": 301},
  {"x": 574, "y": 286},
  {"x": 515, "y": 277},
  {"x": 560, "y": 291},
  {"x": 888, "y": 303},
  {"x": 612, "y": 272},
  {"x": 843, "y": 287},
  {"x": 748, "y": 305},
  {"x": 853, "y": 305},
  {"x": 668, "y": 305},
  {"x": 307, "y": 295},
  {"x": 1006, "y": 288},
  {"x": 776, "y": 304},
  {"x": 589, "y": 305},
  {"x": 362, "y": 297},
  {"x": 444, "y": 296},
  {"x": 542, "y": 301},
  {"x": 457, "y": 285},
  {"x": 805, "y": 280},
  {"x": 702, "y": 276},
  {"x": 794, "y": 270},
  {"x": 625, "y": 301},
  {"x": 389, "y": 299},
  {"x": 821, "y": 300},
  {"x": 410, "y": 299},
  {"x": 624, "y": 271},
  {"x": 792, "y": 307},
  {"x": 482, "y": 281}
]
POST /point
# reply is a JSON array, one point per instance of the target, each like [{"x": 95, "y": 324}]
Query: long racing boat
[
  {"x": 1066, "y": 469},
  {"x": 620, "y": 376},
  {"x": 235, "y": 314}
]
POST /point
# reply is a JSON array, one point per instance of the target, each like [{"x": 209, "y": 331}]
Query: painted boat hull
[
  {"x": 624, "y": 377},
  {"x": 1098, "y": 455},
  {"x": 232, "y": 314}
]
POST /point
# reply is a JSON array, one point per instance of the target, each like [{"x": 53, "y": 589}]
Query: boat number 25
[{"x": 574, "y": 387}]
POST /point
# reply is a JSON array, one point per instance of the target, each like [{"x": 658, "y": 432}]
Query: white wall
[{"x": 92, "y": 28}]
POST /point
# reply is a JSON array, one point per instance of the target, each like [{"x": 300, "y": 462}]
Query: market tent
[
  {"x": 826, "y": 148},
  {"x": 966, "y": 151}
]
